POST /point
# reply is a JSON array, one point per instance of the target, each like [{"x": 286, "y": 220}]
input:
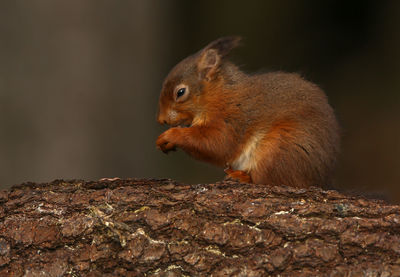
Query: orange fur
[
  {"x": 237, "y": 175},
  {"x": 273, "y": 128}
]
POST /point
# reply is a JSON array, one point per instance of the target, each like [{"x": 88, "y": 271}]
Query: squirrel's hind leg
[{"x": 237, "y": 175}]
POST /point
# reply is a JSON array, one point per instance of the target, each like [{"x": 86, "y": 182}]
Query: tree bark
[{"x": 163, "y": 228}]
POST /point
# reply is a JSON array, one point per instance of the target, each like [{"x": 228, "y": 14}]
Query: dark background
[{"x": 79, "y": 81}]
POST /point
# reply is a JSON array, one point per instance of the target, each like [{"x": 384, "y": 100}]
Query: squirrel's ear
[
  {"x": 224, "y": 45},
  {"x": 211, "y": 56}
]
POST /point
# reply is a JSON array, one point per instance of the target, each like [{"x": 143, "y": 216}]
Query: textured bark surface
[{"x": 162, "y": 228}]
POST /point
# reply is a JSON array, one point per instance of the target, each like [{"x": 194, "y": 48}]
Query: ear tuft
[
  {"x": 213, "y": 53},
  {"x": 224, "y": 45}
]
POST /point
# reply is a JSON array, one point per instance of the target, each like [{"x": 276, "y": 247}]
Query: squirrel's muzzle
[{"x": 161, "y": 118}]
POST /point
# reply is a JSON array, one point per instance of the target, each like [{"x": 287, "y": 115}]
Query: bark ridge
[{"x": 148, "y": 227}]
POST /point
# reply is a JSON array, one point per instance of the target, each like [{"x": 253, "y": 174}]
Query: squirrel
[{"x": 271, "y": 128}]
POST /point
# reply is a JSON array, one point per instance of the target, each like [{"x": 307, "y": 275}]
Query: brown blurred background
[{"x": 79, "y": 81}]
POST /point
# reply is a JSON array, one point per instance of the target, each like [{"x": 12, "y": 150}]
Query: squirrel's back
[{"x": 290, "y": 122}]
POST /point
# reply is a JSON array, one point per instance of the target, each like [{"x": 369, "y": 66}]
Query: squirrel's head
[{"x": 182, "y": 91}]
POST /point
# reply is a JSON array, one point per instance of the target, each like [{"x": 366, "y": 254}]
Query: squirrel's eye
[{"x": 180, "y": 92}]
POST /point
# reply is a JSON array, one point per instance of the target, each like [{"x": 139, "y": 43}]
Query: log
[{"x": 147, "y": 227}]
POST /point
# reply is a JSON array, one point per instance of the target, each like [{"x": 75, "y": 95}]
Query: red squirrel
[{"x": 272, "y": 128}]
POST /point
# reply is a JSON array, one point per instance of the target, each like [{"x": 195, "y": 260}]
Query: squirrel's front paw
[{"x": 164, "y": 141}]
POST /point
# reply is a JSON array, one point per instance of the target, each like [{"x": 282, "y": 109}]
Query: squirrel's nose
[{"x": 161, "y": 119}]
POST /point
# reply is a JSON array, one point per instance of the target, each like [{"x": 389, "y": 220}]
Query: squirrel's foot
[{"x": 237, "y": 175}]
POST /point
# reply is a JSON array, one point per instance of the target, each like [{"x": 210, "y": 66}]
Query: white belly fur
[{"x": 247, "y": 160}]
